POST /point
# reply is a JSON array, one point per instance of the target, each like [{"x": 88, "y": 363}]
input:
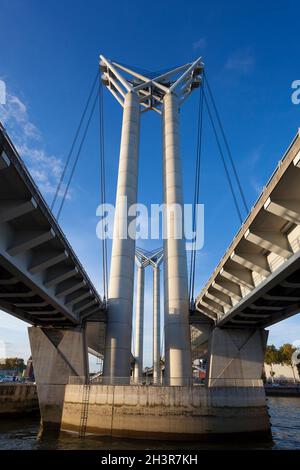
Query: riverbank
[
  {"x": 18, "y": 399},
  {"x": 283, "y": 391}
]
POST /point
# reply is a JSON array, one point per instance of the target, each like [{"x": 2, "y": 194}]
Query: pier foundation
[
  {"x": 57, "y": 354},
  {"x": 236, "y": 356},
  {"x": 171, "y": 412}
]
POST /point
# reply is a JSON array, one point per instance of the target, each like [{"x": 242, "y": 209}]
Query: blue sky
[{"x": 48, "y": 57}]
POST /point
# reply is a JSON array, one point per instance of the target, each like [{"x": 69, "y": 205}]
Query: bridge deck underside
[
  {"x": 257, "y": 282},
  {"x": 276, "y": 299},
  {"x": 41, "y": 279}
]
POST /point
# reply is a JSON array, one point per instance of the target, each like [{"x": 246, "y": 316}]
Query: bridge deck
[
  {"x": 41, "y": 279},
  {"x": 257, "y": 282}
]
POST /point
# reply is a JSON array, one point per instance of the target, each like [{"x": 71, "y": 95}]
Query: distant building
[{"x": 28, "y": 373}]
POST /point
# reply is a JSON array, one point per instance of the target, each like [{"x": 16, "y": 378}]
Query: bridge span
[
  {"x": 257, "y": 281},
  {"x": 41, "y": 279},
  {"x": 256, "y": 284}
]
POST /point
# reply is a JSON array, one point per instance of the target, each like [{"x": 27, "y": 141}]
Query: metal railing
[{"x": 179, "y": 381}]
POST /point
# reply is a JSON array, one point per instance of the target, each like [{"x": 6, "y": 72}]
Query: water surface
[{"x": 284, "y": 415}]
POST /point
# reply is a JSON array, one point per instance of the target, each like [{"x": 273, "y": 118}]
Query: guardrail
[{"x": 149, "y": 381}]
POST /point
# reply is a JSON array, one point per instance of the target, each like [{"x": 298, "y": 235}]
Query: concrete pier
[
  {"x": 57, "y": 354},
  {"x": 120, "y": 297},
  {"x": 156, "y": 325},
  {"x": 139, "y": 325},
  {"x": 235, "y": 356},
  {"x": 18, "y": 399},
  {"x": 175, "y": 413},
  {"x": 178, "y": 361}
]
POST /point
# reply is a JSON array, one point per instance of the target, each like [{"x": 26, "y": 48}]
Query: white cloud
[
  {"x": 256, "y": 185},
  {"x": 200, "y": 44},
  {"x": 255, "y": 155},
  {"x": 43, "y": 167},
  {"x": 14, "y": 113},
  {"x": 241, "y": 61}
]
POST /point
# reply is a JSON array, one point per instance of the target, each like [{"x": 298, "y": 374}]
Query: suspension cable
[
  {"x": 133, "y": 340},
  {"x": 196, "y": 197},
  {"x": 162, "y": 344},
  {"x": 103, "y": 191},
  {"x": 227, "y": 145},
  {"x": 74, "y": 142},
  {"x": 77, "y": 157},
  {"x": 223, "y": 161}
]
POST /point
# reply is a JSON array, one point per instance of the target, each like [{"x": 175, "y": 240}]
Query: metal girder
[
  {"x": 69, "y": 286},
  {"x": 263, "y": 254},
  {"x": 44, "y": 259},
  {"x": 35, "y": 257},
  {"x": 254, "y": 261},
  {"x": 145, "y": 258},
  {"x": 228, "y": 287},
  {"x": 287, "y": 209},
  {"x": 120, "y": 80},
  {"x": 241, "y": 276},
  {"x": 215, "y": 308},
  {"x": 59, "y": 274},
  {"x": 4, "y": 160},
  {"x": 277, "y": 278},
  {"x": 275, "y": 242},
  {"x": 11, "y": 209},
  {"x": 219, "y": 297},
  {"x": 77, "y": 296},
  {"x": 25, "y": 240}
]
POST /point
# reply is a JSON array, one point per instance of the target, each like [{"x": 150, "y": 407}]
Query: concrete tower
[
  {"x": 139, "y": 322},
  {"x": 148, "y": 258},
  {"x": 163, "y": 94}
]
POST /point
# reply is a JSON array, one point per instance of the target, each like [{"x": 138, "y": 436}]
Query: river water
[{"x": 284, "y": 415}]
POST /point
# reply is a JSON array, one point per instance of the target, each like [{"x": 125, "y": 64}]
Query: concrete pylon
[
  {"x": 163, "y": 93},
  {"x": 178, "y": 360},
  {"x": 139, "y": 325},
  {"x": 57, "y": 354},
  {"x": 145, "y": 258},
  {"x": 156, "y": 325},
  {"x": 117, "y": 356}
]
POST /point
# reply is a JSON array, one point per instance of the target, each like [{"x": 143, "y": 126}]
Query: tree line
[
  {"x": 12, "y": 363},
  {"x": 281, "y": 355}
]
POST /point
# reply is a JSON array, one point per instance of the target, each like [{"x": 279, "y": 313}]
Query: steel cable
[{"x": 73, "y": 143}]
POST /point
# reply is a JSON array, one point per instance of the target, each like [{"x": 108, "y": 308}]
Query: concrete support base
[
  {"x": 175, "y": 413},
  {"x": 18, "y": 400},
  {"x": 57, "y": 354},
  {"x": 178, "y": 356},
  {"x": 236, "y": 357},
  {"x": 117, "y": 356}
]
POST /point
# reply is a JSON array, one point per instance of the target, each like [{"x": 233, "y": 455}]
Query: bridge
[
  {"x": 255, "y": 285},
  {"x": 41, "y": 279},
  {"x": 257, "y": 282}
]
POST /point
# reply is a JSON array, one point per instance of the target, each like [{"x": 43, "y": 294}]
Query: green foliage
[
  {"x": 13, "y": 363},
  {"x": 283, "y": 355},
  {"x": 272, "y": 355}
]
